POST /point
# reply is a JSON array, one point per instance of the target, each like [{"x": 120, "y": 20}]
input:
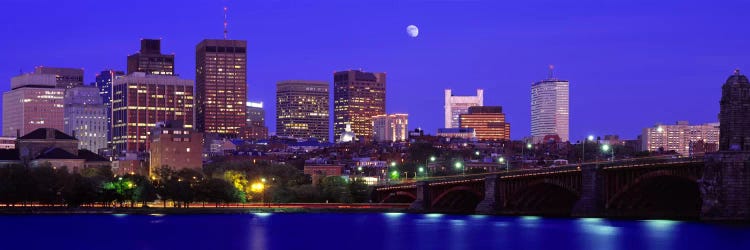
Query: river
[{"x": 359, "y": 231}]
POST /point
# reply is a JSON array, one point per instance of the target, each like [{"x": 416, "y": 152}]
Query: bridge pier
[
  {"x": 725, "y": 186},
  {"x": 490, "y": 204},
  {"x": 422, "y": 203},
  {"x": 590, "y": 203}
]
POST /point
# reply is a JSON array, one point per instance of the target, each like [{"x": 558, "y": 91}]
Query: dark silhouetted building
[
  {"x": 357, "y": 98},
  {"x": 150, "y": 60},
  {"x": 221, "y": 86},
  {"x": 104, "y": 82},
  {"x": 734, "y": 117},
  {"x": 302, "y": 110}
]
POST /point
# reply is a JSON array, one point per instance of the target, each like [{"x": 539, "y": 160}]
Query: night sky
[{"x": 631, "y": 64}]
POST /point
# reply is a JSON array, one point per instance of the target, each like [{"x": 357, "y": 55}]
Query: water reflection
[{"x": 597, "y": 233}]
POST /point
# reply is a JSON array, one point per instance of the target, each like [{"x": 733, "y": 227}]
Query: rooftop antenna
[
  {"x": 551, "y": 71},
  {"x": 225, "y": 22}
]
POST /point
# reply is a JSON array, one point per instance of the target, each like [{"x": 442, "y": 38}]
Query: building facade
[
  {"x": 255, "y": 126},
  {"x": 173, "y": 145},
  {"x": 393, "y": 127},
  {"x": 681, "y": 137},
  {"x": 150, "y": 60},
  {"x": 488, "y": 123},
  {"x": 461, "y": 133},
  {"x": 457, "y": 105},
  {"x": 358, "y": 97},
  {"x": 221, "y": 86},
  {"x": 733, "y": 116},
  {"x": 104, "y": 82},
  {"x": 64, "y": 77},
  {"x": 86, "y": 117},
  {"x": 140, "y": 101},
  {"x": 33, "y": 102},
  {"x": 302, "y": 110},
  {"x": 550, "y": 109}
]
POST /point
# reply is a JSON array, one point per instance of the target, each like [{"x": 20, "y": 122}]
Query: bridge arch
[
  {"x": 399, "y": 197},
  {"x": 661, "y": 193},
  {"x": 543, "y": 196},
  {"x": 458, "y": 199}
]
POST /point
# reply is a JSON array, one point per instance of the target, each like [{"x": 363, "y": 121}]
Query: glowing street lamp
[
  {"x": 432, "y": 158},
  {"x": 460, "y": 166},
  {"x": 476, "y": 153},
  {"x": 606, "y": 148},
  {"x": 583, "y": 154},
  {"x": 502, "y": 160}
]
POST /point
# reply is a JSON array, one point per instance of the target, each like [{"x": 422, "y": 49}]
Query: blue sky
[{"x": 631, "y": 64}]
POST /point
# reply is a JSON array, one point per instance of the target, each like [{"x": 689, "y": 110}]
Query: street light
[
  {"x": 459, "y": 166},
  {"x": 583, "y": 154},
  {"x": 476, "y": 153},
  {"x": 606, "y": 148},
  {"x": 502, "y": 160},
  {"x": 421, "y": 170}
]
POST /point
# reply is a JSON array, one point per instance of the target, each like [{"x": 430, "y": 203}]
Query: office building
[
  {"x": 85, "y": 117},
  {"x": 681, "y": 137},
  {"x": 150, "y": 60},
  {"x": 460, "y": 133},
  {"x": 392, "y": 128},
  {"x": 302, "y": 110},
  {"x": 221, "y": 86},
  {"x": 734, "y": 114},
  {"x": 357, "y": 98},
  {"x": 104, "y": 82},
  {"x": 173, "y": 145},
  {"x": 255, "y": 126},
  {"x": 550, "y": 109},
  {"x": 457, "y": 105},
  {"x": 64, "y": 77},
  {"x": 488, "y": 123},
  {"x": 34, "y": 101},
  {"x": 140, "y": 101}
]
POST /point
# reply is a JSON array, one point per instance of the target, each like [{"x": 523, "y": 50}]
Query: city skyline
[{"x": 638, "y": 69}]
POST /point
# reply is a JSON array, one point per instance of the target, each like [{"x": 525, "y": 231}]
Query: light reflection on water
[{"x": 362, "y": 232}]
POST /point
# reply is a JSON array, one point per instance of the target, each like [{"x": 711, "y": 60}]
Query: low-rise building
[
  {"x": 317, "y": 172},
  {"x": 173, "y": 145}
]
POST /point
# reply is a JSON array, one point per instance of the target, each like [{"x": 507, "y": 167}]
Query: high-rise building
[
  {"x": 550, "y": 109},
  {"x": 104, "y": 82},
  {"x": 65, "y": 77},
  {"x": 357, "y": 98},
  {"x": 173, "y": 145},
  {"x": 302, "y": 110},
  {"x": 140, "y": 101},
  {"x": 681, "y": 137},
  {"x": 33, "y": 102},
  {"x": 488, "y": 123},
  {"x": 457, "y": 105},
  {"x": 393, "y": 127},
  {"x": 86, "y": 117},
  {"x": 733, "y": 116},
  {"x": 255, "y": 126},
  {"x": 150, "y": 60},
  {"x": 221, "y": 86}
]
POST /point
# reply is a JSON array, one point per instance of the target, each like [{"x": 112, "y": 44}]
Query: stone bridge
[{"x": 717, "y": 187}]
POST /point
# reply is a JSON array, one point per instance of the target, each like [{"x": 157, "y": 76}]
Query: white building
[
  {"x": 680, "y": 137},
  {"x": 393, "y": 127},
  {"x": 550, "y": 109},
  {"x": 457, "y": 105},
  {"x": 33, "y": 102},
  {"x": 86, "y": 117}
]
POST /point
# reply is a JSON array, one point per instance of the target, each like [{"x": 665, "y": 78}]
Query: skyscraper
[
  {"x": 65, "y": 77},
  {"x": 85, "y": 117},
  {"x": 393, "y": 127},
  {"x": 150, "y": 60},
  {"x": 141, "y": 101},
  {"x": 104, "y": 82},
  {"x": 255, "y": 126},
  {"x": 221, "y": 86},
  {"x": 550, "y": 108},
  {"x": 358, "y": 96},
  {"x": 33, "y": 102},
  {"x": 457, "y": 105},
  {"x": 733, "y": 116},
  {"x": 302, "y": 109},
  {"x": 488, "y": 122}
]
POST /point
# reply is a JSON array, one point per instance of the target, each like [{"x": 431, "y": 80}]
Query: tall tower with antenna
[{"x": 225, "y": 22}]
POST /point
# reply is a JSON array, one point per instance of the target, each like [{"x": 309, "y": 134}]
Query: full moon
[{"x": 412, "y": 30}]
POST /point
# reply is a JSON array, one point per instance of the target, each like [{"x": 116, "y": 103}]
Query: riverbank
[{"x": 288, "y": 208}]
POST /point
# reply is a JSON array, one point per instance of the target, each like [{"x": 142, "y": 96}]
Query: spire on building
[
  {"x": 225, "y": 23},
  {"x": 551, "y": 72}
]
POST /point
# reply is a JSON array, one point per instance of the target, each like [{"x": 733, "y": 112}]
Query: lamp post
[
  {"x": 421, "y": 170},
  {"x": 460, "y": 166},
  {"x": 388, "y": 172},
  {"x": 606, "y": 148},
  {"x": 583, "y": 154},
  {"x": 502, "y": 160},
  {"x": 427, "y": 164}
]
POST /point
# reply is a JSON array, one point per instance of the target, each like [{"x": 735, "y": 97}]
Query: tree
[
  {"x": 359, "y": 190},
  {"x": 335, "y": 189},
  {"x": 144, "y": 191}
]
